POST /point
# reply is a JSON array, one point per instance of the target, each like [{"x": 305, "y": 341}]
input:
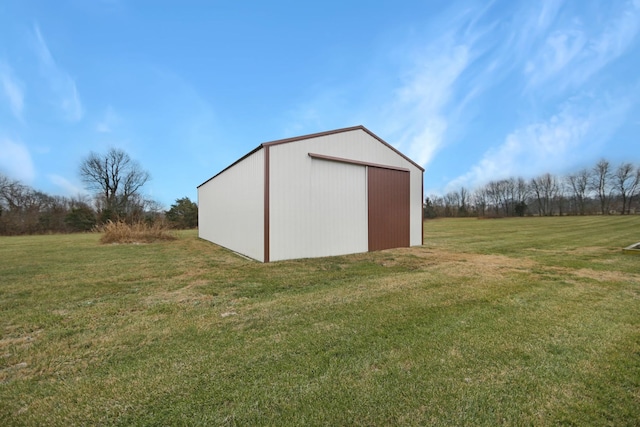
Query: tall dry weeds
[{"x": 139, "y": 232}]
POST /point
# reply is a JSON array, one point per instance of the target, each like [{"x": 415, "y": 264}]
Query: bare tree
[
  {"x": 116, "y": 180},
  {"x": 24, "y": 210},
  {"x": 536, "y": 189},
  {"x": 579, "y": 185},
  {"x": 428, "y": 208},
  {"x": 452, "y": 203},
  {"x": 439, "y": 204},
  {"x": 513, "y": 195},
  {"x": 4, "y": 183},
  {"x": 463, "y": 210},
  {"x": 520, "y": 196},
  {"x": 625, "y": 180},
  {"x": 493, "y": 195},
  {"x": 498, "y": 194},
  {"x": 560, "y": 197},
  {"x": 635, "y": 192},
  {"x": 11, "y": 193},
  {"x": 545, "y": 188},
  {"x": 600, "y": 183},
  {"x": 508, "y": 195},
  {"x": 480, "y": 200}
]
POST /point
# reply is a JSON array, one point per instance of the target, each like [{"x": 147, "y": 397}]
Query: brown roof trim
[
  {"x": 356, "y": 162},
  {"x": 312, "y": 135},
  {"x": 315, "y": 135},
  {"x": 422, "y": 211},
  {"x": 349, "y": 129}
]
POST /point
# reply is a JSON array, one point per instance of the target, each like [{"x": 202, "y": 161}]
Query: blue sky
[{"x": 471, "y": 90}]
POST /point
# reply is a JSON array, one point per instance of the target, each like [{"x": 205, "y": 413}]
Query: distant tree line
[
  {"x": 114, "y": 179},
  {"x": 602, "y": 189}
]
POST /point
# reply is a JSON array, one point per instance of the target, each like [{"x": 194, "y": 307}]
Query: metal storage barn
[{"x": 331, "y": 193}]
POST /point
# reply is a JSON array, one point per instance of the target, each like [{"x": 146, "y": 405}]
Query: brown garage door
[{"x": 388, "y": 208}]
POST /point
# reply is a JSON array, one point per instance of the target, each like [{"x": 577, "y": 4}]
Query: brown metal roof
[{"x": 315, "y": 135}]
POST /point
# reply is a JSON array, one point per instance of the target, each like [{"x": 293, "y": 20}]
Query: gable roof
[{"x": 315, "y": 135}]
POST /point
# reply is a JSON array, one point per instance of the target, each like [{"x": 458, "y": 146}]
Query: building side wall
[
  {"x": 231, "y": 207},
  {"x": 304, "y": 192}
]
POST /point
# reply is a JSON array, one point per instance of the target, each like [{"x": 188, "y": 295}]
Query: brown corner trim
[
  {"x": 266, "y": 204},
  {"x": 422, "y": 210},
  {"x": 355, "y": 162}
]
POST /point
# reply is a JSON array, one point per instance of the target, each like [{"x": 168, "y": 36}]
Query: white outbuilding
[{"x": 332, "y": 193}]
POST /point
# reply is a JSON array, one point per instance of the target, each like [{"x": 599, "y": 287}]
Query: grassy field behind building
[{"x": 523, "y": 321}]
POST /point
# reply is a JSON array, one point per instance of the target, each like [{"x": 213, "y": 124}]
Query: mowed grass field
[{"x": 527, "y": 321}]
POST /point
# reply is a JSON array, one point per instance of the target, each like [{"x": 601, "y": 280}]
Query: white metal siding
[
  {"x": 231, "y": 207},
  {"x": 415, "y": 208},
  {"x": 317, "y": 208}
]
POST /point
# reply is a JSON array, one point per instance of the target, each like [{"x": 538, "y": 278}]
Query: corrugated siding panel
[
  {"x": 231, "y": 208},
  {"x": 317, "y": 207},
  {"x": 388, "y": 208}
]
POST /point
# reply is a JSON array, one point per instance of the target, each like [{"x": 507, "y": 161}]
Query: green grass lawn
[{"x": 528, "y": 321}]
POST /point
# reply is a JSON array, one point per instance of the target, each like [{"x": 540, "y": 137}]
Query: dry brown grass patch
[
  {"x": 606, "y": 275},
  {"x": 140, "y": 232},
  {"x": 470, "y": 265}
]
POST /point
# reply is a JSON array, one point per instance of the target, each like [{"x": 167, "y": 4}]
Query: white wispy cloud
[
  {"x": 61, "y": 83},
  {"x": 566, "y": 51},
  {"x": 110, "y": 119},
  {"x": 12, "y": 89},
  {"x": 545, "y": 58},
  {"x": 430, "y": 88},
  {"x": 453, "y": 69},
  {"x": 614, "y": 40},
  {"x": 525, "y": 151},
  {"x": 67, "y": 186},
  {"x": 581, "y": 125},
  {"x": 560, "y": 49},
  {"x": 421, "y": 102},
  {"x": 15, "y": 160},
  {"x": 531, "y": 23},
  {"x": 574, "y": 52},
  {"x": 547, "y": 14}
]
